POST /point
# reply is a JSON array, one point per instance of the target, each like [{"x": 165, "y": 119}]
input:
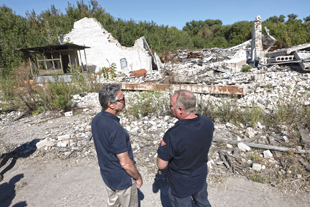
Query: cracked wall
[{"x": 105, "y": 49}]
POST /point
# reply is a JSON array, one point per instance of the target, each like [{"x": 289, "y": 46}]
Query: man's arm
[
  {"x": 128, "y": 165},
  {"x": 161, "y": 164}
]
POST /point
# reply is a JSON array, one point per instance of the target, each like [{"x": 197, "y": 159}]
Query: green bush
[
  {"x": 109, "y": 73},
  {"x": 246, "y": 68}
]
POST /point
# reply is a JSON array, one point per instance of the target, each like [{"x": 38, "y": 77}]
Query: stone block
[
  {"x": 44, "y": 143},
  {"x": 63, "y": 143},
  {"x": 243, "y": 147},
  {"x": 69, "y": 113},
  {"x": 63, "y": 137},
  {"x": 267, "y": 154},
  {"x": 257, "y": 167}
]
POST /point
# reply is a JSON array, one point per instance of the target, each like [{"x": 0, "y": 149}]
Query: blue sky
[{"x": 177, "y": 12}]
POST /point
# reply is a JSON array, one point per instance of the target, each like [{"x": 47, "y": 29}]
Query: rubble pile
[{"x": 68, "y": 135}]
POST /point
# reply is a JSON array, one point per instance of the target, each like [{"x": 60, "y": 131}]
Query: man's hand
[
  {"x": 139, "y": 182},
  {"x": 128, "y": 165}
]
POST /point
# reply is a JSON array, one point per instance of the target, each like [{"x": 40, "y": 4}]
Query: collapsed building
[
  {"x": 299, "y": 54},
  {"x": 105, "y": 49}
]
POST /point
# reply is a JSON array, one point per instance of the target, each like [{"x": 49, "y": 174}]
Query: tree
[
  {"x": 292, "y": 16},
  {"x": 307, "y": 19}
]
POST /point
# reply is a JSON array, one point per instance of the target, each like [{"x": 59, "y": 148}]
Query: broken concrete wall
[
  {"x": 105, "y": 49},
  {"x": 257, "y": 44}
]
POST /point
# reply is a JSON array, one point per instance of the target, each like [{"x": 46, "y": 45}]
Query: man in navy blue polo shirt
[
  {"x": 184, "y": 151},
  {"x": 114, "y": 150}
]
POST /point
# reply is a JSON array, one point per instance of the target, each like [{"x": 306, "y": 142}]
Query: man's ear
[
  {"x": 180, "y": 110},
  {"x": 111, "y": 105}
]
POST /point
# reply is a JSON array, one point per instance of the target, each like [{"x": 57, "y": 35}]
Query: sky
[{"x": 177, "y": 12}]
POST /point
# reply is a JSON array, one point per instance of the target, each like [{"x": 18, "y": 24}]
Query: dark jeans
[{"x": 200, "y": 199}]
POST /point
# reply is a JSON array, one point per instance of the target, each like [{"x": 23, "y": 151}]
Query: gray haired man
[{"x": 114, "y": 152}]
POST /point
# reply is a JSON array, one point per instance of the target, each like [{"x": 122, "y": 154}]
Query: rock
[
  {"x": 69, "y": 113},
  {"x": 243, "y": 147},
  {"x": 267, "y": 154},
  {"x": 63, "y": 137},
  {"x": 257, "y": 167},
  {"x": 250, "y": 132},
  {"x": 44, "y": 143},
  {"x": 63, "y": 144}
]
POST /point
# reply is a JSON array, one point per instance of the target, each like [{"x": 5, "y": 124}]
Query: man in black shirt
[
  {"x": 184, "y": 151},
  {"x": 114, "y": 150}
]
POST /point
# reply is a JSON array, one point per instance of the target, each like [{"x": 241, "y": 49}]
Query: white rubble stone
[
  {"x": 230, "y": 125},
  {"x": 285, "y": 139},
  {"x": 267, "y": 154},
  {"x": 210, "y": 163},
  {"x": 243, "y": 147},
  {"x": 76, "y": 97},
  {"x": 44, "y": 143},
  {"x": 63, "y": 137},
  {"x": 257, "y": 167},
  {"x": 69, "y": 113},
  {"x": 250, "y": 132},
  {"x": 229, "y": 146},
  {"x": 63, "y": 143}
]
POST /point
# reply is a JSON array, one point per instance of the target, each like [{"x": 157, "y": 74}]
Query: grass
[
  {"x": 257, "y": 177},
  {"x": 147, "y": 103}
]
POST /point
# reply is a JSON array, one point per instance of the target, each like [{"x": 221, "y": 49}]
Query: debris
[
  {"x": 243, "y": 147},
  {"x": 137, "y": 73},
  {"x": 267, "y": 154},
  {"x": 222, "y": 156},
  {"x": 305, "y": 164},
  {"x": 305, "y": 138},
  {"x": 257, "y": 167},
  {"x": 262, "y": 146},
  {"x": 44, "y": 143},
  {"x": 69, "y": 113}
]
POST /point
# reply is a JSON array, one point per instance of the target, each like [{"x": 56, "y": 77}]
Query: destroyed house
[
  {"x": 55, "y": 59},
  {"x": 299, "y": 54},
  {"x": 105, "y": 49}
]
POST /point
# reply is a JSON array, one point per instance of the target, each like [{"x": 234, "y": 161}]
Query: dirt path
[{"x": 77, "y": 182}]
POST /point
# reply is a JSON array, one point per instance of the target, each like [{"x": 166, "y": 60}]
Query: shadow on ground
[{"x": 7, "y": 190}]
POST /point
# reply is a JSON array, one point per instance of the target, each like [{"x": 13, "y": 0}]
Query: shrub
[
  {"x": 147, "y": 102},
  {"x": 110, "y": 72},
  {"x": 246, "y": 68}
]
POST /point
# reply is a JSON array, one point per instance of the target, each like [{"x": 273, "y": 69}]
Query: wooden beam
[
  {"x": 262, "y": 146},
  {"x": 207, "y": 89}
]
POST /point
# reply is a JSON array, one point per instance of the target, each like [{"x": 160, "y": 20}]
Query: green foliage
[
  {"x": 246, "y": 68},
  {"x": 146, "y": 103},
  {"x": 257, "y": 177},
  {"x": 110, "y": 72},
  {"x": 253, "y": 156}
]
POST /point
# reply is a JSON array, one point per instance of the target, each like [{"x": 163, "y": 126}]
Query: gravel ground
[{"x": 65, "y": 177}]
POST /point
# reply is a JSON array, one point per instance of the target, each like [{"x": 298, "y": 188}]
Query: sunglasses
[{"x": 121, "y": 100}]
